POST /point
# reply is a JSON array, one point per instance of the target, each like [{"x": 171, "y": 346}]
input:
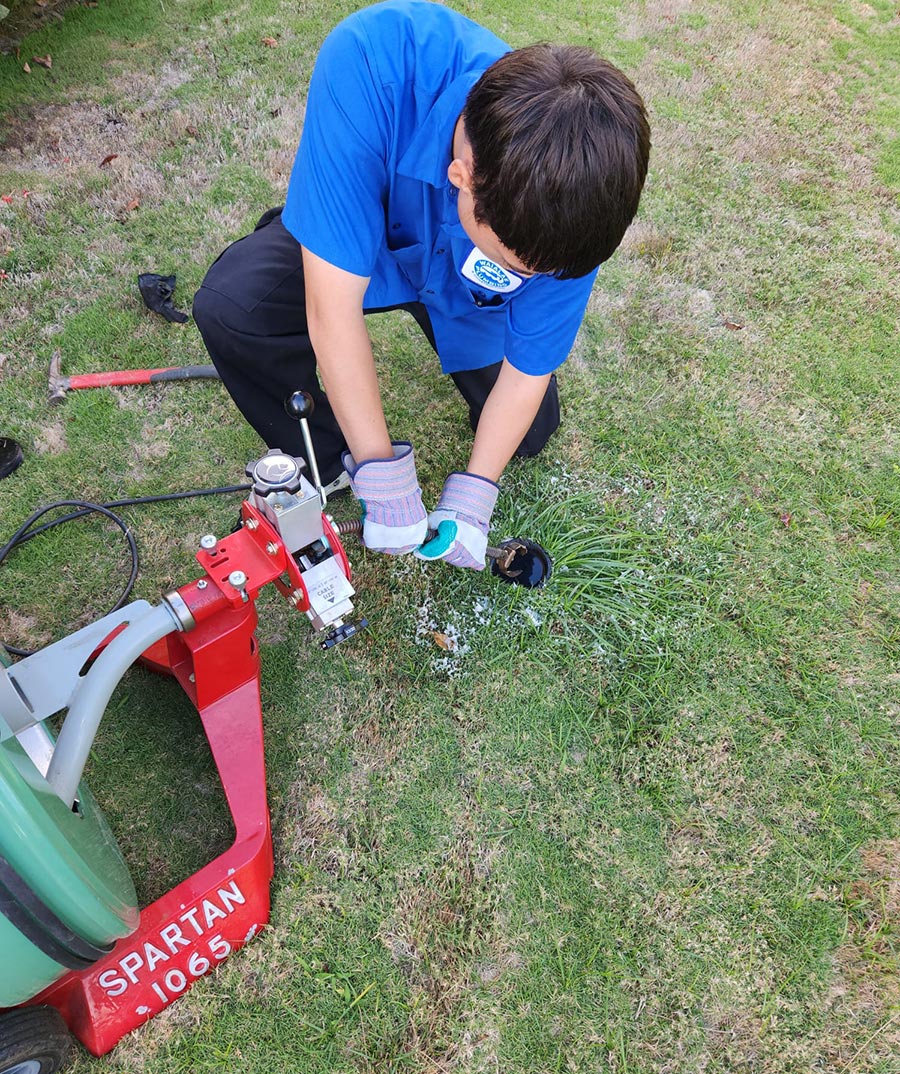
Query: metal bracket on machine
[{"x": 45, "y": 682}]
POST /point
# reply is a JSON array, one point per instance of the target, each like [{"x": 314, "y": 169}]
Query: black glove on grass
[{"x": 157, "y": 291}]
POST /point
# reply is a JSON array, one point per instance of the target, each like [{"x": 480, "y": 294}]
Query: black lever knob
[{"x": 300, "y": 405}]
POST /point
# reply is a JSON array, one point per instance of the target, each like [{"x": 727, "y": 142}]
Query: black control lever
[{"x": 300, "y": 405}]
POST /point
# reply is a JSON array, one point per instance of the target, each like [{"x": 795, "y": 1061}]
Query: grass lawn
[{"x": 646, "y": 820}]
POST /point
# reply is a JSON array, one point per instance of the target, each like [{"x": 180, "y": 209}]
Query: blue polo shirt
[{"x": 369, "y": 191}]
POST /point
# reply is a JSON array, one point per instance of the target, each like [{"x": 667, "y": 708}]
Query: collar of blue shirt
[{"x": 420, "y": 160}]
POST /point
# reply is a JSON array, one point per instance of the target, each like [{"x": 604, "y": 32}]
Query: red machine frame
[{"x": 186, "y": 932}]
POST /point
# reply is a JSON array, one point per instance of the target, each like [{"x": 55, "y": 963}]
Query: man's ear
[{"x": 460, "y": 174}]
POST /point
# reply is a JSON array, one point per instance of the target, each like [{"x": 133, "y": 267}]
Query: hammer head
[{"x": 56, "y": 391}]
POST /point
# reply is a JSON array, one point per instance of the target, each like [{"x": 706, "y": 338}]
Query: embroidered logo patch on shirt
[{"x": 478, "y": 268}]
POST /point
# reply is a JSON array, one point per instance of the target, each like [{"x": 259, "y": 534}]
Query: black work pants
[{"x": 251, "y": 312}]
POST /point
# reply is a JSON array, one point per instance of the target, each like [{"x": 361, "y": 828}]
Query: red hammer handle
[
  {"x": 139, "y": 376},
  {"x": 102, "y": 380}
]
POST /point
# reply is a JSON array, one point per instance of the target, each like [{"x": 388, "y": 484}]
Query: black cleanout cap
[{"x": 530, "y": 565}]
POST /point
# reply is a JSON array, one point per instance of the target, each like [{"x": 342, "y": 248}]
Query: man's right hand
[{"x": 394, "y": 517}]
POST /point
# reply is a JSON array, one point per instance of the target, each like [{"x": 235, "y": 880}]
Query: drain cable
[{"x": 25, "y": 532}]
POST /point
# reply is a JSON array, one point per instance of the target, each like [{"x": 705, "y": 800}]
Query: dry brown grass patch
[
  {"x": 862, "y": 1030},
  {"x": 22, "y": 630},
  {"x": 443, "y": 921}
]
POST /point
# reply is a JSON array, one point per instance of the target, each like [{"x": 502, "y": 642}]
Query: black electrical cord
[{"x": 25, "y": 532}]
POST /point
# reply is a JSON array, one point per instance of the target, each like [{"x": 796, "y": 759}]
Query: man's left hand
[{"x": 461, "y": 521}]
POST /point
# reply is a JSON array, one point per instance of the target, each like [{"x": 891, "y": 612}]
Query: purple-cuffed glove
[
  {"x": 394, "y": 518},
  {"x": 461, "y": 520}
]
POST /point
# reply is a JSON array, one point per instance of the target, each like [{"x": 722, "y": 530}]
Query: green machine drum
[{"x": 65, "y": 892}]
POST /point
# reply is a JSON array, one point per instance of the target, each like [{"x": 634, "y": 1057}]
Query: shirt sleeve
[
  {"x": 338, "y": 186},
  {"x": 542, "y": 324}
]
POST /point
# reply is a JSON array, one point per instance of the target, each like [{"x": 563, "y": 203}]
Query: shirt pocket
[{"x": 411, "y": 260}]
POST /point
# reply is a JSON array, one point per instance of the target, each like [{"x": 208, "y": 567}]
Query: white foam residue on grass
[
  {"x": 425, "y": 622},
  {"x": 482, "y": 608},
  {"x": 446, "y": 639},
  {"x": 563, "y": 477}
]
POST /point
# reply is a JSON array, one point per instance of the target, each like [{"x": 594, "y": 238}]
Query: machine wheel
[{"x": 33, "y": 1040}]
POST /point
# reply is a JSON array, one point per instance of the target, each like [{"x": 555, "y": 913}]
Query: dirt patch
[{"x": 52, "y": 440}]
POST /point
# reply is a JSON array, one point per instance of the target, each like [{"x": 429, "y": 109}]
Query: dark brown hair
[{"x": 560, "y": 142}]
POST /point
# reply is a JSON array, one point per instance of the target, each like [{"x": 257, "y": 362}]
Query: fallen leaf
[
  {"x": 269, "y": 42},
  {"x": 442, "y": 641},
  {"x": 192, "y": 131},
  {"x": 733, "y": 325},
  {"x": 26, "y": 68},
  {"x": 109, "y": 159},
  {"x": 7, "y": 198},
  {"x": 786, "y": 519},
  {"x": 44, "y": 61},
  {"x": 132, "y": 205}
]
